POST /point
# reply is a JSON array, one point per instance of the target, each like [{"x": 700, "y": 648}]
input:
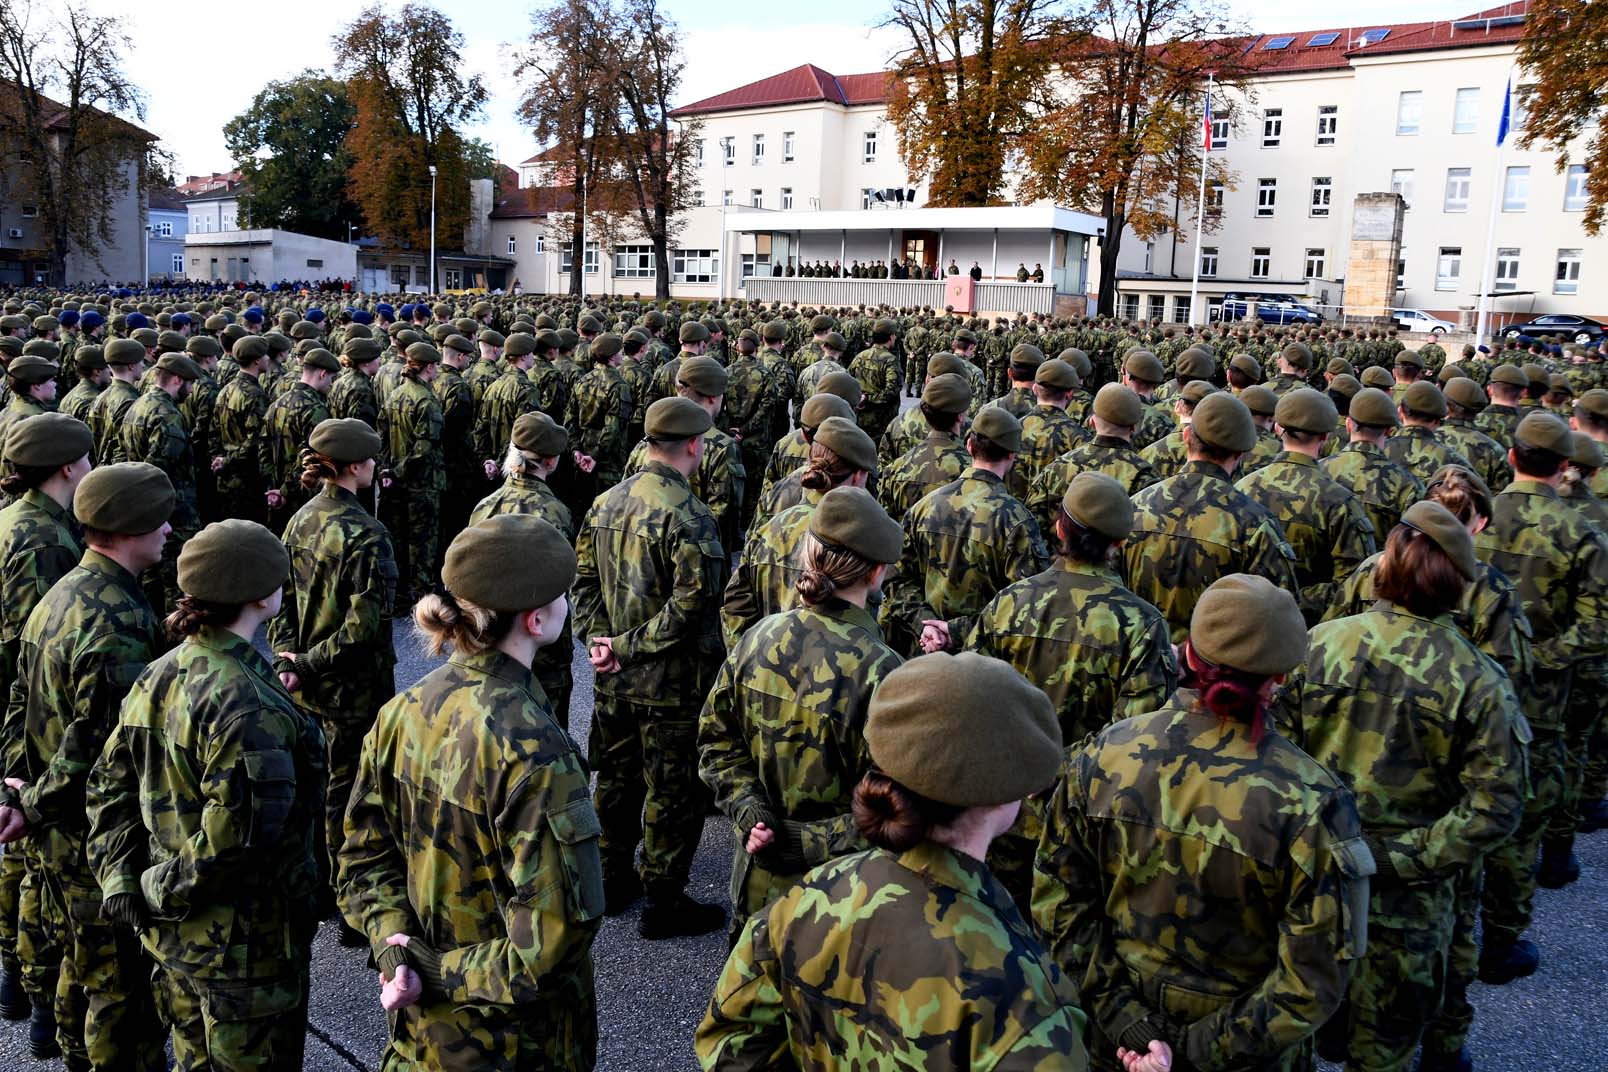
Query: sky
[{"x": 196, "y": 82}]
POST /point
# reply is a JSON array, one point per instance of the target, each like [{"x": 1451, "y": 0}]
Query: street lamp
[{"x": 432, "y": 228}]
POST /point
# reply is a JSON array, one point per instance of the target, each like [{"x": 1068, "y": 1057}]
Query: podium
[{"x": 960, "y": 293}]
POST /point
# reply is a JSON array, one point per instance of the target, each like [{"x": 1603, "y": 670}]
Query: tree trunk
[
  {"x": 1109, "y": 249},
  {"x": 578, "y": 256},
  {"x": 661, "y": 263}
]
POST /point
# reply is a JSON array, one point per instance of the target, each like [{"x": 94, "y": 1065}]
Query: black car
[{"x": 1574, "y": 328}]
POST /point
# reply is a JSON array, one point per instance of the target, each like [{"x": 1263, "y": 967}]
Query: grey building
[{"x": 164, "y": 242}]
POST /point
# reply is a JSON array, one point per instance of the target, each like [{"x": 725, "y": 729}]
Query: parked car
[
  {"x": 1577, "y": 328},
  {"x": 1418, "y": 320},
  {"x": 1270, "y": 309}
]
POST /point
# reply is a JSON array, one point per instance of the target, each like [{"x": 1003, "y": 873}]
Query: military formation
[{"x": 1133, "y": 698}]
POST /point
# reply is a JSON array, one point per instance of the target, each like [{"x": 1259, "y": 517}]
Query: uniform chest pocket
[
  {"x": 271, "y": 778},
  {"x": 1355, "y": 863},
  {"x": 576, "y": 829}
]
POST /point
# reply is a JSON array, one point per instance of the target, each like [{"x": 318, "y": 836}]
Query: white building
[{"x": 266, "y": 256}]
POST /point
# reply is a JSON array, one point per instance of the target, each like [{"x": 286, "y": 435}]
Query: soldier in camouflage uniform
[
  {"x": 746, "y": 415},
  {"x": 912, "y": 951},
  {"x": 532, "y": 457},
  {"x": 1115, "y": 412},
  {"x": 1168, "y": 456},
  {"x": 718, "y": 481},
  {"x": 485, "y": 369},
  {"x": 804, "y": 677},
  {"x": 125, "y": 358},
  {"x": 1415, "y": 446},
  {"x": 1464, "y": 401},
  {"x": 1202, "y": 814},
  {"x": 1018, "y": 400},
  {"x": 773, "y": 357},
  {"x": 287, "y": 423},
  {"x": 464, "y": 470},
  {"x": 599, "y": 418},
  {"x": 1048, "y": 431},
  {"x": 332, "y": 637},
  {"x": 650, "y": 572},
  {"x": 1326, "y": 525},
  {"x": 1591, "y": 418},
  {"x": 1142, "y": 373},
  {"x": 488, "y": 964},
  {"x": 1384, "y": 487},
  {"x": 910, "y": 426},
  {"x": 935, "y": 460},
  {"x": 31, "y": 383},
  {"x": 93, "y": 376},
  {"x": 1500, "y": 420},
  {"x": 353, "y": 395},
  {"x": 637, "y": 371},
  {"x": 877, "y": 369},
  {"x": 241, "y": 453},
  {"x": 839, "y": 396},
  {"x": 1432, "y": 743},
  {"x": 208, "y": 733},
  {"x": 1195, "y": 527},
  {"x": 509, "y": 396},
  {"x": 411, "y": 426}
]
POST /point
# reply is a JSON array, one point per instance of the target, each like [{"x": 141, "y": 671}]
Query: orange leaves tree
[{"x": 1563, "y": 45}]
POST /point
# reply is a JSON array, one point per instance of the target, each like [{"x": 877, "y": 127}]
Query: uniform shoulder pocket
[
  {"x": 1355, "y": 862},
  {"x": 576, "y": 829},
  {"x": 272, "y": 777}
]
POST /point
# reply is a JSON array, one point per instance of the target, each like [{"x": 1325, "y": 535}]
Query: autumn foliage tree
[
  {"x": 1562, "y": 49},
  {"x": 411, "y": 95}
]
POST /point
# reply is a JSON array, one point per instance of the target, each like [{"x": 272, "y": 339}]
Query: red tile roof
[
  {"x": 1466, "y": 32},
  {"x": 534, "y": 201},
  {"x": 798, "y": 86}
]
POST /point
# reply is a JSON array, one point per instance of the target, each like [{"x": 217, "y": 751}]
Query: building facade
[{"x": 169, "y": 222}]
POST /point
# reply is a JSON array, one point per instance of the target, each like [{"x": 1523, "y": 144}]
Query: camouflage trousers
[
  {"x": 1594, "y": 779},
  {"x": 1583, "y": 721},
  {"x": 1395, "y": 991},
  {"x": 11, "y": 872},
  {"x": 1449, "y": 1030},
  {"x": 1509, "y": 899},
  {"x": 39, "y": 932},
  {"x": 915, "y": 373},
  {"x": 105, "y": 1014},
  {"x": 755, "y": 458},
  {"x": 227, "y": 1025},
  {"x": 241, "y": 494},
  {"x": 413, "y": 516},
  {"x": 343, "y": 746},
  {"x": 648, "y": 789}
]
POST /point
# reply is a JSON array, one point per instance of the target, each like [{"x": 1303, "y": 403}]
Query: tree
[
  {"x": 290, "y": 147},
  {"x": 405, "y": 81},
  {"x": 967, "y": 83},
  {"x": 63, "y": 145},
  {"x": 1117, "y": 143},
  {"x": 1562, "y": 48}
]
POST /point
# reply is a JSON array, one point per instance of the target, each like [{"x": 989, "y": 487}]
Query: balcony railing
[{"x": 997, "y": 297}]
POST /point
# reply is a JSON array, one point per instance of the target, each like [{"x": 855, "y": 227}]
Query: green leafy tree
[{"x": 290, "y": 147}]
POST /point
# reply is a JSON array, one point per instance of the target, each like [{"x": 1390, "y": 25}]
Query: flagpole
[
  {"x": 1200, "y": 203},
  {"x": 1488, "y": 262}
]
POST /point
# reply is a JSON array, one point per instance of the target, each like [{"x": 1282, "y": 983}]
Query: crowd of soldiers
[{"x": 1183, "y": 700}]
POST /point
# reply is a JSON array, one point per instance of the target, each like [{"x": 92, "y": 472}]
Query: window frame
[
  {"x": 1521, "y": 203},
  {"x": 868, "y": 147},
  {"x": 1465, "y": 124},
  {"x": 1448, "y": 281},
  {"x": 1465, "y": 177},
  {"x": 1571, "y": 174},
  {"x": 1264, "y": 255},
  {"x": 681, "y": 259},
  {"x": 1564, "y": 281},
  {"x": 1505, "y": 277},
  {"x": 1328, "y": 117},
  {"x": 1320, "y": 261},
  {"x": 1208, "y": 262},
  {"x": 1267, "y": 197},
  {"x": 1272, "y": 127},
  {"x": 1320, "y": 209},
  {"x": 757, "y": 156},
  {"x": 787, "y": 198},
  {"x": 634, "y": 260},
  {"x": 789, "y": 146},
  {"x": 513, "y": 246},
  {"x": 1406, "y": 128}
]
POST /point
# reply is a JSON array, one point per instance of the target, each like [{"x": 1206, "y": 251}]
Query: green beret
[
  {"x": 1026, "y": 354},
  {"x": 567, "y": 339},
  {"x": 642, "y": 338},
  {"x": 1339, "y": 366},
  {"x": 819, "y": 407},
  {"x": 511, "y": 562},
  {"x": 549, "y": 340},
  {"x": 1510, "y": 375},
  {"x": 1306, "y": 410},
  {"x": 588, "y": 324},
  {"x": 41, "y": 348},
  {"x": 180, "y": 366},
  {"x": 605, "y": 346},
  {"x": 458, "y": 344},
  {"x": 1373, "y": 408},
  {"x": 843, "y": 385},
  {"x": 1424, "y": 399},
  {"x": 89, "y": 358},
  {"x": 693, "y": 332},
  {"x": 1449, "y": 534},
  {"x": 537, "y": 433},
  {"x": 519, "y": 344},
  {"x": 1117, "y": 404},
  {"x": 1078, "y": 360},
  {"x": 320, "y": 358},
  {"x": 1224, "y": 422},
  {"x": 653, "y": 319},
  {"x": 361, "y": 351},
  {"x": 29, "y": 369},
  {"x": 480, "y": 308},
  {"x": 965, "y": 730},
  {"x": 12, "y": 346},
  {"x": 1345, "y": 384},
  {"x": 1546, "y": 431},
  {"x": 848, "y": 441},
  {"x": 674, "y": 419},
  {"x": 345, "y": 440},
  {"x": 1058, "y": 375},
  {"x": 1466, "y": 393},
  {"x": 851, "y": 518},
  {"x": 702, "y": 374},
  {"x": 1465, "y": 472},
  {"x": 12, "y": 322},
  {"x": 1587, "y": 452},
  {"x": 45, "y": 324},
  {"x": 774, "y": 331},
  {"x": 940, "y": 364},
  {"x": 1594, "y": 402},
  {"x": 357, "y": 331},
  {"x": 1099, "y": 504},
  {"x": 203, "y": 346},
  {"x": 146, "y": 337},
  {"x": 233, "y": 562},
  {"x": 1196, "y": 390},
  {"x": 490, "y": 338},
  {"x": 966, "y": 337},
  {"x": 834, "y": 341},
  {"x": 278, "y": 344},
  {"x": 884, "y": 326},
  {"x": 820, "y": 325},
  {"x": 129, "y": 498},
  {"x": 246, "y": 350},
  {"x": 124, "y": 352},
  {"x": 1410, "y": 358},
  {"x": 422, "y": 353},
  {"x": 1374, "y": 376},
  {"x": 215, "y": 323},
  {"x": 1248, "y": 623},
  {"x": 947, "y": 393},
  {"x": 1246, "y": 366},
  {"x": 170, "y": 342},
  {"x": 1259, "y": 400},
  {"x": 1144, "y": 366},
  {"x": 1536, "y": 374},
  {"x": 1000, "y": 427},
  {"x": 442, "y": 309},
  {"x": 1297, "y": 356},
  {"x": 48, "y": 440},
  {"x": 1560, "y": 383},
  {"x": 1195, "y": 364}
]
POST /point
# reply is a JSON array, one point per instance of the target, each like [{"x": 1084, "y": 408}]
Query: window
[
  {"x": 566, "y": 258},
  {"x": 1315, "y": 263},
  {"x": 1516, "y": 190},
  {"x": 728, "y": 150},
  {"x": 755, "y": 265},
  {"x": 1409, "y": 111},
  {"x": 1574, "y": 189},
  {"x": 1322, "y": 187},
  {"x": 513, "y": 246},
  {"x": 1130, "y": 306},
  {"x": 1261, "y": 262},
  {"x": 759, "y": 148},
  {"x": 1208, "y": 261},
  {"x": 1401, "y": 182},
  {"x": 725, "y": 197},
  {"x": 868, "y": 147},
  {"x": 1180, "y": 309},
  {"x": 1466, "y": 111},
  {"x": 1156, "y": 306},
  {"x": 1520, "y": 116},
  {"x": 634, "y": 262},
  {"x": 1267, "y": 192},
  {"x": 541, "y": 242},
  {"x": 1220, "y": 130},
  {"x": 178, "y": 264},
  {"x": 1401, "y": 271},
  {"x": 865, "y": 196},
  {"x": 1507, "y": 269},
  {"x": 30, "y": 211},
  {"x": 1457, "y": 182},
  {"x": 695, "y": 265},
  {"x": 787, "y": 198},
  {"x": 399, "y": 276},
  {"x": 1328, "y": 123},
  {"x": 1449, "y": 268},
  {"x": 454, "y": 279},
  {"x": 421, "y": 276},
  {"x": 697, "y": 153},
  {"x": 756, "y": 197},
  {"x": 312, "y": 263},
  {"x": 165, "y": 229},
  {"x": 1566, "y": 275},
  {"x": 787, "y": 146},
  {"x": 1214, "y": 198},
  {"x": 1272, "y": 127},
  {"x": 228, "y": 223}
]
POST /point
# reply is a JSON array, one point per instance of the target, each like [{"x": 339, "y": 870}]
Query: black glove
[{"x": 127, "y": 909}]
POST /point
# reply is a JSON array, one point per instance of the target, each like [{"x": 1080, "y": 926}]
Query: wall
[{"x": 120, "y": 259}]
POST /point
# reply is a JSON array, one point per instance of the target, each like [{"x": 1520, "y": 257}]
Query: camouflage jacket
[
  {"x": 781, "y": 740},
  {"x": 1500, "y": 423},
  {"x": 1324, "y": 523},
  {"x": 1168, "y": 455},
  {"x": 1385, "y": 488},
  {"x": 934, "y": 461},
  {"x": 80, "y": 400},
  {"x": 789, "y": 454},
  {"x": 717, "y": 482},
  {"x": 962, "y": 544},
  {"x": 809, "y": 377},
  {"x": 18, "y": 408},
  {"x": 353, "y": 396},
  {"x": 510, "y": 397},
  {"x": 39, "y": 544},
  {"x": 772, "y": 560},
  {"x": 1425, "y": 730},
  {"x": 902, "y": 434},
  {"x": 154, "y": 432},
  {"x": 480, "y": 375},
  {"x": 1047, "y": 433},
  {"x": 650, "y": 570},
  {"x": 598, "y": 418},
  {"x": 878, "y": 371},
  {"x": 1269, "y": 446},
  {"x": 1099, "y": 652},
  {"x": 1202, "y": 889},
  {"x": 336, "y": 614},
  {"x": 1192, "y": 529},
  {"x": 457, "y": 400},
  {"x": 208, "y": 801},
  {"x": 638, "y": 376},
  {"x": 1102, "y": 454},
  {"x": 410, "y": 426},
  {"x": 106, "y": 419},
  {"x": 746, "y": 412},
  {"x": 1156, "y": 423},
  {"x": 1018, "y": 402},
  {"x": 1489, "y": 457},
  {"x": 288, "y": 424},
  {"x": 243, "y": 440},
  {"x": 531, "y": 495},
  {"x": 910, "y": 960},
  {"x": 1418, "y": 450},
  {"x": 471, "y": 826}
]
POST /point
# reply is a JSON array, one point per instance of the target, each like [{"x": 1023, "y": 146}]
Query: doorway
[{"x": 921, "y": 247}]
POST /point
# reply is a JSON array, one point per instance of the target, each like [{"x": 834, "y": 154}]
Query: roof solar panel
[
  {"x": 1276, "y": 43},
  {"x": 1321, "y": 39},
  {"x": 1373, "y": 37}
]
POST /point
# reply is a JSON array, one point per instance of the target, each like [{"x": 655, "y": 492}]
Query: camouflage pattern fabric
[
  {"x": 1102, "y": 454},
  {"x": 1385, "y": 488},
  {"x": 717, "y": 482},
  {"x": 762, "y": 583},
  {"x": 1487, "y": 457},
  {"x": 287, "y": 425},
  {"x": 788, "y": 455},
  {"x": 877, "y": 369},
  {"x": 597, "y": 420},
  {"x": 1421, "y": 452},
  {"x": 246, "y": 450},
  {"x": 410, "y": 427},
  {"x": 1500, "y": 423},
  {"x": 466, "y": 479},
  {"x": 936, "y": 460},
  {"x": 506, "y": 400},
  {"x": 106, "y": 420},
  {"x": 354, "y": 397},
  {"x": 1047, "y": 433},
  {"x": 80, "y": 400}
]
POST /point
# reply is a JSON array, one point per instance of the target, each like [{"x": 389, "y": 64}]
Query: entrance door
[{"x": 921, "y": 247}]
